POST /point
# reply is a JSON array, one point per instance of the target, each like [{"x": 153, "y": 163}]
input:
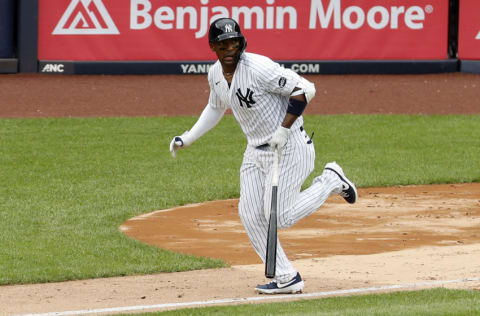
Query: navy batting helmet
[{"x": 225, "y": 28}]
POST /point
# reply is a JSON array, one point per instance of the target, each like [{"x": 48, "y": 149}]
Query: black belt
[{"x": 263, "y": 146}]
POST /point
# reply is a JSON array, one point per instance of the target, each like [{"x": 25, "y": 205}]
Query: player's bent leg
[
  {"x": 311, "y": 199},
  {"x": 296, "y": 164}
]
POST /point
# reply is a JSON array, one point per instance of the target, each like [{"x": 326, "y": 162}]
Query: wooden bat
[{"x": 271, "y": 255}]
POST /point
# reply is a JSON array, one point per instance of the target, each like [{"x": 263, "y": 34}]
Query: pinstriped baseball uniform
[{"x": 258, "y": 97}]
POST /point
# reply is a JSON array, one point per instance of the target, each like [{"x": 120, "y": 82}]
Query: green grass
[
  {"x": 426, "y": 302},
  {"x": 67, "y": 184},
  {"x": 384, "y": 150}
]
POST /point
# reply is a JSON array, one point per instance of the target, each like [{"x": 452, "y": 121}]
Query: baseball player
[{"x": 267, "y": 100}]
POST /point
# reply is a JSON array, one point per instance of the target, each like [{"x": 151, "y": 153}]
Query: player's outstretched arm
[{"x": 207, "y": 120}]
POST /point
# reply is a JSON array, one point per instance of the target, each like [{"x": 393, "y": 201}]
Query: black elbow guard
[{"x": 296, "y": 107}]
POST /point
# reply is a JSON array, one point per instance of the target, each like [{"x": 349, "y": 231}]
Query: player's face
[{"x": 228, "y": 51}]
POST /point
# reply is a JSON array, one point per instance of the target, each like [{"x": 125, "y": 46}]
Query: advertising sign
[
  {"x": 469, "y": 30},
  {"x": 161, "y": 30}
]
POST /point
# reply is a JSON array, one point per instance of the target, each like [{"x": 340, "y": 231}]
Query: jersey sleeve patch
[{"x": 274, "y": 77}]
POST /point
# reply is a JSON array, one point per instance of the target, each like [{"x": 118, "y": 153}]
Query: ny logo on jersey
[{"x": 247, "y": 98}]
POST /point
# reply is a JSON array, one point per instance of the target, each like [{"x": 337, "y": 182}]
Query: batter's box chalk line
[{"x": 257, "y": 298}]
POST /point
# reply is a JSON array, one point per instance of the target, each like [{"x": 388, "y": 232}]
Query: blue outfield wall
[
  {"x": 7, "y": 30},
  {"x": 302, "y": 67},
  {"x": 8, "y": 63},
  {"x": 471, "y": 66}
]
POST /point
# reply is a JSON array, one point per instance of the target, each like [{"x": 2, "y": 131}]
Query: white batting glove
[
  {"x": 178, "y": 142},
  {"x": 279, "y": 138}
]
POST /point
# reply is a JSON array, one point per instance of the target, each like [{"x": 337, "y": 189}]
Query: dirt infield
[
  {"x": 383, "y": 220},
  {"x": 35, "y": 95},
  {"x": 395, "y": 235}
]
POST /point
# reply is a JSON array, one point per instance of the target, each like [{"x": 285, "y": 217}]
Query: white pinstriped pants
[{"x": 296, "y": 162}]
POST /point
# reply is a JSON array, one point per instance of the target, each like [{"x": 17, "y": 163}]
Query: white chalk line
[{"x": 256, "y": 298}]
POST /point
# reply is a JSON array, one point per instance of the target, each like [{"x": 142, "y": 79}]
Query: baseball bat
[{"x": 271, "y": 255}]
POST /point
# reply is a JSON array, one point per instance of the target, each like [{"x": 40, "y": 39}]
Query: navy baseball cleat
[
  {"x": 349, "y": 191},
  {"x": 293, "y": 286}
]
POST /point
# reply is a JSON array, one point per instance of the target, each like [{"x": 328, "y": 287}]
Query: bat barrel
[{"x": 271, "y": 254}]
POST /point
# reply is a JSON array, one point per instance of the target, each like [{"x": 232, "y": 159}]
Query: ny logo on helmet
[{"x": 228, "y": 28}]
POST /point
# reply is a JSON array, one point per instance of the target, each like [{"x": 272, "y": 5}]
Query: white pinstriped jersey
[{"x": 258, "y": 95}]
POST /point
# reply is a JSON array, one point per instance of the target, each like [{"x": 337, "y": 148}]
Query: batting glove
[
  {"x": 178, "y": 142},
  {"x": 279, "y": 138}
]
